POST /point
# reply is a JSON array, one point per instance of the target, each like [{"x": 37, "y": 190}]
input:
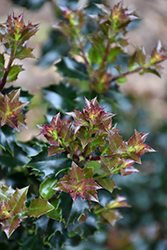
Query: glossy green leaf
[
  {"x": 42, "y": 165},
  {"x": 77, "y": 210},
  {"x": 9, "y": 144},
  {"x": 72, "y": 69},
  {"x": 39, "y": 207},
  {"x": 61, "y": 96},
  {"x": 71, "y": 211},
  {"x": 17, "y": 159},
  {"x": 45, "y": 188}
]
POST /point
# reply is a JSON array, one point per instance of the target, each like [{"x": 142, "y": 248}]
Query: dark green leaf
[
  {"x": 61, "y": 96},
  {"x": 7, "y": 138},
  {"x": 71, "y": 68},
  {"x": 78, "y": 209},
  {"x": 42, "y": 165},
  {"x": 17, "y": 159},
  {"x": 30, "y": 4}
]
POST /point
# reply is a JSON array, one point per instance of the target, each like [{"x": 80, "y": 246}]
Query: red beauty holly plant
[
  {"x": 14, "y": 35},
  {"x": 91, "y": 132},
  {"x": 106, "y": 43}
]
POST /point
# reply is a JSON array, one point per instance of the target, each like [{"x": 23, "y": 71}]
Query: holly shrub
[{"x": 57, "y": 191}]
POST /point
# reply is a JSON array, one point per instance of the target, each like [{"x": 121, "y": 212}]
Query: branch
[{"x": 4, "y": 79}]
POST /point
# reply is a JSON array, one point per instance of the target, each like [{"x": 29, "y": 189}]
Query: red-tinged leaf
[
  {"x": 70, "y": 186},
  {"x": 157, "y": 54},
  {"x": 91, "y": 196},
  {"x": 55, "y": 150},
  {"x": 13, "y": 72},
  {"x": 76, "y": 184},
  {"x": 90, "y": 184},
  {"x": 10, "y": 225},
  {"x": 111, "y": 216},
  {"x": 118, "y": 202},
  {"x": 28, "y": 31},
  {"x": 18, "y": 199},
  {"x": 5, "y": 211},
  {"x": 10, "y": 111},
  {"x": 137, "y": 138},
  {"x": 76, "y": 173},
  {"x": 39, "y": 207},
  {"x": 107, "y": 183},
  {"x": 108, "y": 164},
  {"x": 128, "y": 171},
  {"x": 115, "y": 141},
  {"x": 5, "y": 193},
  {"x": 16, "y": 30}
]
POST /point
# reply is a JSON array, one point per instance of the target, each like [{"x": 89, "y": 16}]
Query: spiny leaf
[
  {"x": 39, "y": 206},
  {"x": 13, "y": 72},
  {"x": 10, "y": 109},
  {"x": 10, "y": 225},
  {"x": 18, "y": 199},
  {"x": 5, "y": 193},
  {"x": 42, "y": 165},
  {"x": 107, "y": 183}
]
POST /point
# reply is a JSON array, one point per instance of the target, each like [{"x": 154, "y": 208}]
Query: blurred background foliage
[{"x": 144, "y": 225}]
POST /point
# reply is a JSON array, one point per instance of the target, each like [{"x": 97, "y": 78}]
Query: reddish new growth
[
  {"x": 79, "y": 182},
  {"x": 10, "y": 110},
  {"x": 92, "y": 132}
]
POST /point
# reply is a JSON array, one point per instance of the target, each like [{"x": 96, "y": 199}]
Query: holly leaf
[
  {"x": 71, "y": 211},
  {"x": 39, "y": 207},
  {"x": 5, "y": 193},
  {"x": 13, "y": 212},
  {"x": 13, "y": 72},
  {"x": 10, "y": 225},
  {"x": 120, "y": 201},
  {"x": 77, "y": 185},
  {"x": 42, "y": 165},
  {"x": 7, "y": 132},
  {"x": 18, "y": 199},
  {"x": 111, "y": 216},
  {"x": 107, "y": 183},
  {"x": 23, "y": 52},
  {"x": 10, "y": 109}
]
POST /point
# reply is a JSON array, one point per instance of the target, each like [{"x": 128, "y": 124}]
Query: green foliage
[{"x": 71, "y": 176}]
